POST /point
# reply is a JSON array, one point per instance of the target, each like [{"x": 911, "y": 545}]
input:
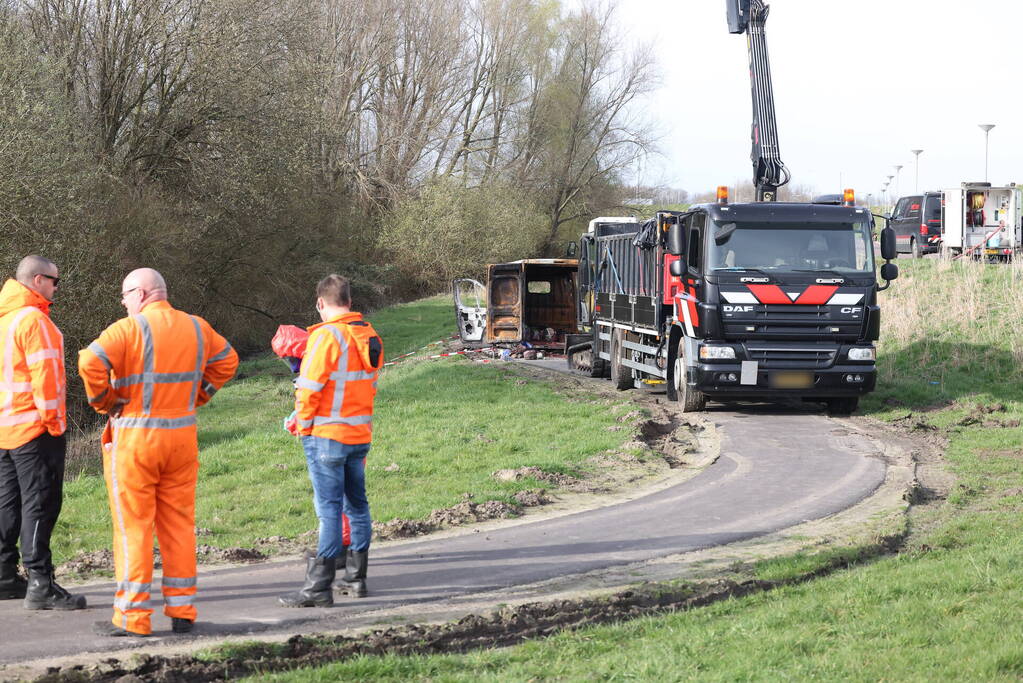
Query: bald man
[
  {"x": 32, "y": 444},
  {"x": 149, "y": 372}
]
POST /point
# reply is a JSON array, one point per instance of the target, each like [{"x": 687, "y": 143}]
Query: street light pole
[
  {"x": 898, "y": 167},
  {"x": 916, "y": 184},
  {"x": 986, "y": 127}
]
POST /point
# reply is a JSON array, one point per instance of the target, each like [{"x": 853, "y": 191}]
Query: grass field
[
  {"x": 946, "y": 608},
  {"x": 441, "y": 429}
]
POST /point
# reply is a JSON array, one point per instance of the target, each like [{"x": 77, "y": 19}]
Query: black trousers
[{"x": 31, "y": 493}]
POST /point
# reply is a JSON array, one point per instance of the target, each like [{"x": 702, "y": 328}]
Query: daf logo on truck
[{"x": 736, "y": 309}]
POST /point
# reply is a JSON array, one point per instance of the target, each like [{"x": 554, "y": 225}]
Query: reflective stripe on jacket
[
  {"x": 32, "y": 383},
  {"x": 161, "y": 364},
  {"x": 337, "y": 382}
]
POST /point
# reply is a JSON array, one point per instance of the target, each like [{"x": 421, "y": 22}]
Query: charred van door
[
  {"x": 504, "y": 322},
  {"x": 470, "y": 309}
]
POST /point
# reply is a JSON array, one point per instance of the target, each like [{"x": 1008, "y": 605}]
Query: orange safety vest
[
  {"x": 32, "y": 384},
  {"x": 159, "y": 390},
  {"x": 337, "y": 382}
]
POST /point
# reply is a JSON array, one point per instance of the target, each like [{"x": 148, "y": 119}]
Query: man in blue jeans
[{"x": 334, "y": 396}]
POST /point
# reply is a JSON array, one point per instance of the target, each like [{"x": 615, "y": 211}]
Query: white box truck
[{"x": 982, "y": 221}]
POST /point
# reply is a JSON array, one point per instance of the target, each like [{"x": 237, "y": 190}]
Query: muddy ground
[{"x": 916, "y": 475}]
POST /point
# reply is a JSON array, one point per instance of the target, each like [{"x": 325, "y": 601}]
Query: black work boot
[
  {"x": 180, "y": 625},
  {"x": 353, "y": 583},
  {"x": 107, "y": 628},
  {"x": 44, "y": 593},
  {"x": 12, "y": 584},
  {"x": 319, "y": 574},
  {"x": 342, "y": 564}
]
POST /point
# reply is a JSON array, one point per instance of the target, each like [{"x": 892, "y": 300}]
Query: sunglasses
[{"x": 56, "y": 280}]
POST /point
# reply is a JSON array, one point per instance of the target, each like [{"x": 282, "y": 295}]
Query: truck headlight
[
  {"x": 717, "y": 353},
  {"x": 861, "y": 354}
]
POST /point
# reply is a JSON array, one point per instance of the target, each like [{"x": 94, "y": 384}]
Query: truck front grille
[
  {"x": 784, "y": 357},
  {"x": 790, "y": 321}
]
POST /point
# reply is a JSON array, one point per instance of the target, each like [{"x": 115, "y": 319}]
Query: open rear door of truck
[
  {"x": 470, "y": 309},
  {"x": 504, "y": 307}
]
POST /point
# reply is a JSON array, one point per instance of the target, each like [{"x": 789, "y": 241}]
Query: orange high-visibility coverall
[
  {"x": 161, "y": 364},
  {"x": 32, "y": 388}
]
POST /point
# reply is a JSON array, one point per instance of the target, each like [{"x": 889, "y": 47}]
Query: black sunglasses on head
[{"x": 56, "y": 280}]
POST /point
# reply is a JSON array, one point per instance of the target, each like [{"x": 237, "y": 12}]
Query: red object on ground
[{"x": 289, "y": 340}]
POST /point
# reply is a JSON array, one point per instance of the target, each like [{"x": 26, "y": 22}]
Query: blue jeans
[{"x": 338, "y": 474}]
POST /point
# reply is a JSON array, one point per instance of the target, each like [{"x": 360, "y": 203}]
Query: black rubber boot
[
  {"x": 12, "y": 584},
  {"x": 353, "y": 583},
  {"x": 319, "y": 574},
  {"x": 44, "y": 593},
  {"x": 342, "y": 561},
  {"x": 179, "y": 625},
  {"x": 107, "y": 628}
]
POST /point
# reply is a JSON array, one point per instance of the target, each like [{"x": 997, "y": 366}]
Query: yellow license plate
[{"x": 791, "y": 380}]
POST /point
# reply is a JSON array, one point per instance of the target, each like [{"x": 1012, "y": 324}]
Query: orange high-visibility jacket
[
  {"x": 159, "y": 389},
  {"x": 32, "y": 384},
  {"x": 337, "y": 382}
]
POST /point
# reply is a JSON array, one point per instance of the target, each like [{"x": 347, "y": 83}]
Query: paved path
[{"x": 778, "y": 468}]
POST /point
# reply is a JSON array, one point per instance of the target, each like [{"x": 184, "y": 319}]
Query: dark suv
[{"x": 917, "y": 223}]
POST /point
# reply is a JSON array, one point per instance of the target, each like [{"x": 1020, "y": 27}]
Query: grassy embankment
[
  {"x": 446, "y": 424},
  {"x": 947, "y": 607}
]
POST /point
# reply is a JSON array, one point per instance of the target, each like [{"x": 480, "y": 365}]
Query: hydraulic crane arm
[{"x": 769, "y": 173}]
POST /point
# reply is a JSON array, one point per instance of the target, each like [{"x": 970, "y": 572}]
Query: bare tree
[{"x": 587, "y": 124}]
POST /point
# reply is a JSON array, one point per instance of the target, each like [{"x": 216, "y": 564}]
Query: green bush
[{"x": 449, "y": 231}]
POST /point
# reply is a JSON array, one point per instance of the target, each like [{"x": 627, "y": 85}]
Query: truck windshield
[{"x": 842, "y": 247}]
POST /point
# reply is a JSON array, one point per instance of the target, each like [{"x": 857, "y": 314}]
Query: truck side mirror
[
  {"x": 677, "y": 268},
  {"x": 889, "y": 272},
  {"x": 888, "y": 244},
  {"x": 676, "y": 239},
  {"x": 571, "y": 249}
]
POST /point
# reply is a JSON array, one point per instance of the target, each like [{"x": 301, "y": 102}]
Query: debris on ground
[
  {"x": 465, "y": 512},
  {"x": 552, "y": 478}
]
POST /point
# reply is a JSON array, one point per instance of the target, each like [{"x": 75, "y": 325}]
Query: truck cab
[{"x": 781, "y": 302}]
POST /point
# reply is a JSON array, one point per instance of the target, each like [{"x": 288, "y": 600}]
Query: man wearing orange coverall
[
  {"x": 32, "y": 443},
  {"x": 149, "y": 372},
  {"x": 334, "y": 395}
]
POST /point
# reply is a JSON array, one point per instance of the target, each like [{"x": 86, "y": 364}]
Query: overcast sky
[{"x": 857, "y": 85}]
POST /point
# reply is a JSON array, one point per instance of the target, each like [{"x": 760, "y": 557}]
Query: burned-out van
[{"x": 530, "y": 301}]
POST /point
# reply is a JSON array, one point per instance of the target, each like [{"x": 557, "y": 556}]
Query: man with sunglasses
[
  {"x": 32, "y": 442},
  {"x": 149, "y": 372}
]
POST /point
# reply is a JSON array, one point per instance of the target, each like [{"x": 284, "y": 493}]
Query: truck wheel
[
  {"x": 915, "y": 248},
  {"x": 690, "y": 400},
  {"x": 621, "y": 376},
  {"x": 843, "y": 406}
]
